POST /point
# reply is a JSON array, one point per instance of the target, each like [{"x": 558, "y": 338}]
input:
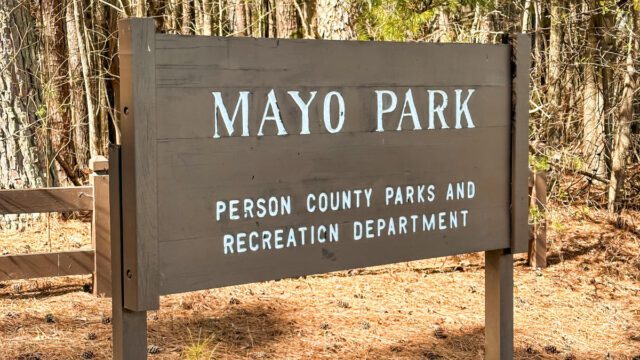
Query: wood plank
[
  {"x": 101, "y": 236},
  {"x": 189, "y": 68},
  {"x": 358, "y": 104},
  {"x": 22, "y": 201},
  {"x": 498, "y": 305},
  {"x": 199, "y": 61},
  {"x": 139, "y": 177},
  {"x": 129, "y": 328},
  {"x": 190, "y": 181},
  {"x": 521, "y": 58},
  {"x": 14, "y": 267},
  {"x": 99, "y": 164}
]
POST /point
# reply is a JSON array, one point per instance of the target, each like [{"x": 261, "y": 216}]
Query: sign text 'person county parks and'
[{"x": 244, "y": 160}]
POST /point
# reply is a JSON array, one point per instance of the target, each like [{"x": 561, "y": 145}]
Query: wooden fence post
[
  {"x": 538, "y": 243},
  {"x": 129, "y": 328},
  {"x": 498, "y": 306},
  {"x": 499, "y": 263},
  {"x": 100, "y": 234}
]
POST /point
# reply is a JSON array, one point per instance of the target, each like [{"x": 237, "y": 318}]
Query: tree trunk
[
  {"x": 221, "y": 9},
  {"x": 56, "y": 88},
  {"x": 170, "y": 24},
  {"x": 286, "y": 19},
  {"x": 94, "y": 130},
  {"x": 333, "y": 19},
  {"x": 99, "y": 59},
  {"x": 307, "y": 12},
  {"x": 198, "y": 16},
  {"x": 207, "y": 19},
  {"x": 21, "y": 164},
  {"x": 622, "y": 136},
  {"x": 525, "y": 27},
  {"x": 185, "y": 24},
  {"x": 270, "y": 17},
  {"x": 554, "y": 74},
  {"x": 593, "y": 123},
  {"x": 140, "y": 8},
  {"x": 237, "y": 18},
  {"x": 77, "y": 106},
  {"x": 444, "y": 26}
]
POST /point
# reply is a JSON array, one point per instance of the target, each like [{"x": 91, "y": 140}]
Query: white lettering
[
  {"x": 463, "y": 108},
  {"x": 382, "y": 109},
  {"x": 433, "y": 109},
  {"x": 218, "y": 106},
  {"x": 304, "y": 109},
  {"x": 272, "y": 105},
  {"x": 408, "y": 101},
  {"x": 327, "y": 112}
]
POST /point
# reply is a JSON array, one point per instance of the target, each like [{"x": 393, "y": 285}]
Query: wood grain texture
[
  {"x": 29, "y": 266},
  {"x": 191, "y": 250},
  {"x": 538, "y": 242},
  {"x": 101, "y": 236},
  {"x": 521, "y": 57},
  {"x": 138, "y": 106},
  {"x": 189, "y": 68},
  {"x": 99, "y": 164},
  {"x": 46, "y": 200},
  {"x": 129, "y": 328},
  {"x": 203, "y": 62},
  {"x": 194, "y": 170},
  {"x": 498, "y": 305}
]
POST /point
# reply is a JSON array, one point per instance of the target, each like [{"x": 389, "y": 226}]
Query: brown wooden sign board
[{"x": 245, "y": 160}]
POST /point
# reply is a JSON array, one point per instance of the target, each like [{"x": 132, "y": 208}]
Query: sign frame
[{"x": 134, "y": 209}]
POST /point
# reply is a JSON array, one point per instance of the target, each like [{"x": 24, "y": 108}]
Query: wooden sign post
[{"x": 246, "y": 160}]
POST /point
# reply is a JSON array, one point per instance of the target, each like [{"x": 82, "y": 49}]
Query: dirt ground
[{"x": 586, "y": 305}]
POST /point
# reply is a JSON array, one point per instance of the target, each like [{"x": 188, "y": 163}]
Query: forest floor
[{"x": 585, "y": 305}]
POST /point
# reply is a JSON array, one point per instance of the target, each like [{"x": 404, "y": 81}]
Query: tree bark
[
  {"x": 334, "y": 21},
  {"x": 307, "y": 13},
  {"x": 286, "y": 19},
  {"x": 94, "y": 130},
  {"x": 270, "y": 17},
  {"x": 21, "y": 163},
  {"x": 100, "y": 58},
  {"x": 554, "y": 74},
  {"x": 237, "y": 18},
  {"x": 198, "y": 13},
  {"x": 525, "y": 27},
  {"x": 77, "y": 105},
  {"x": 56, "y": 87},
  {"x": 185, "y": 23},
  {"x": 170, "y": 24},
  {"x": 140, "y": 8},
  {"x": 593, "y": 123},
  {"x": 207, "y": 19},
  {"x": 622, "y": 137}
]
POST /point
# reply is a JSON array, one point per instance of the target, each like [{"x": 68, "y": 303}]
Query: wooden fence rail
[
  {"x": 26, "y": 201},
  {"x": 46, "y": 264},
  {"x": 94, "y": 198}
]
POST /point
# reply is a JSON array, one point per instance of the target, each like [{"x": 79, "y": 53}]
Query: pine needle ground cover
[{"x": 585, "y": 305}]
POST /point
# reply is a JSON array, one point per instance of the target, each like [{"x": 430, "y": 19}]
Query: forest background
[{"x": 59, "y": 75}]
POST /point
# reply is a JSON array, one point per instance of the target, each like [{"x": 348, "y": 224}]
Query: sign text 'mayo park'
[{"x": 254, "y": 159}]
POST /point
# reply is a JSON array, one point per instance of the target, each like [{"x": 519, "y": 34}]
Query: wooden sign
[{"x": 245, "y": 160}]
